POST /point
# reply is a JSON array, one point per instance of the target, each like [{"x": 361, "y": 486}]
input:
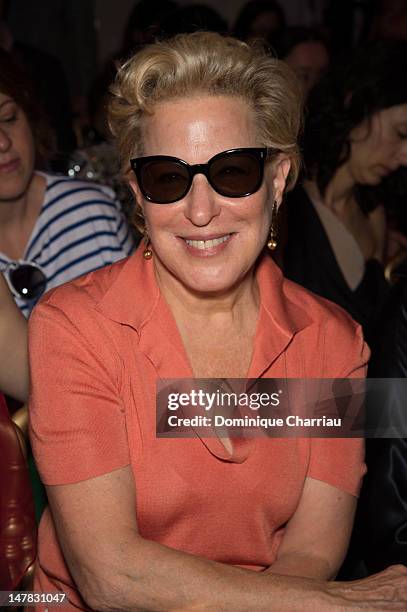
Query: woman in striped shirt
[{"x": 52, "y": 228}]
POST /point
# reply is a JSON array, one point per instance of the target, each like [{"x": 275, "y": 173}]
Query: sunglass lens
[
  {"x": 164, "y": 182},
  {"x": 28, "y": 281},
  {"x": 236, "y": 175}
]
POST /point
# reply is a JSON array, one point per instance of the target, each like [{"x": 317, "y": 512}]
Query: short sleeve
[
  {"x": 340, "y": 461},
  {"x": 77, "y": 422}
]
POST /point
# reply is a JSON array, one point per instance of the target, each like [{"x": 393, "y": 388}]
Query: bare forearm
[
  {"x": 116, "y": 570},
  {"x": 303, "y": 565},
  {"x": 14, "y": 376},
  {"x": 159, "y": 578},
  {"x": 14, "y": 379}
]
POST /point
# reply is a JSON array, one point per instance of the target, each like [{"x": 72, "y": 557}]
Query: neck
[
  {"x": 16, "y": 211},
  {"x": 236, "y": 303},
  {"x": 340, "y": 188}
]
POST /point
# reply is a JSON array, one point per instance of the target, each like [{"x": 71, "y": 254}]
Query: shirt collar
[
  {"x": 286, "y": 315},
  {"x": 133, "y": 298},
  {"x": 279, "y": 318},
  {"x": 133, "y": 293}
]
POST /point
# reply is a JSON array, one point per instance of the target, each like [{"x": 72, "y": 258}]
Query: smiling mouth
[
  {"x": 9, "y": 166},
  {"x": 207, "y": 244}
]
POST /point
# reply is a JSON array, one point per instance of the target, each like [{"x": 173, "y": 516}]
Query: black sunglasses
[
  {"x": 235, "y": 174},
  {"x": 25, "y": 279}
]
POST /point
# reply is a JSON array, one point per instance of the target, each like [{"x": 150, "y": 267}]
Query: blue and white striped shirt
[{"x": 80, "y": 228}]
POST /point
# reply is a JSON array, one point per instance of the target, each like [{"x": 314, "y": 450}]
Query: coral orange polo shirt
[{"x": 97, "y": 347}]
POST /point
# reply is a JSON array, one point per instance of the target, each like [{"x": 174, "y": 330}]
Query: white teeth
[{"x": 207, "y": 244}]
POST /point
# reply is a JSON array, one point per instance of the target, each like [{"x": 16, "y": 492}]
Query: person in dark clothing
[
  {"x": 385, "y": 491},
  {"x": 380, "y": 532},
  {"x": 306, "y": 51},
  {"x": 355, "y": 136}
]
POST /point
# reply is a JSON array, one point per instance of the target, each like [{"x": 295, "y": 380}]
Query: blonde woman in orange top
[{"x": 209, "y": 127}]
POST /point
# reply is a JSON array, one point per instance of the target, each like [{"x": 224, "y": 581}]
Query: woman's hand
[
  {"x": 384, "y": 591},
  {"x": 115, "y": 568}
]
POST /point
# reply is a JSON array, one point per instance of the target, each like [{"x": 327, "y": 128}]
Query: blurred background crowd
[{"x": 69, "y": 49}]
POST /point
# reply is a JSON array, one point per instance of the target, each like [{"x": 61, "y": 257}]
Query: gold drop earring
[
  {"x": 147, "y": 253},
  {"x": 272, "y": 242}
]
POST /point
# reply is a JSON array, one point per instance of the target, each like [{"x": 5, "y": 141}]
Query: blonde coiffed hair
[{"x": 206, "y": 63}]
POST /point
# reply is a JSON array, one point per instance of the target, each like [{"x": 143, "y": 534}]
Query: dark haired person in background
[
  {"x": 259, "y": 19},
  {"x": 52, "y": 228},
  {"x": 305, "y": 50},
  {"x": 66, "y": 30},
  {"x": 50, "y": 88},
  {"x": 143, "y": 24},
  {"x": 355, "y": 135}
]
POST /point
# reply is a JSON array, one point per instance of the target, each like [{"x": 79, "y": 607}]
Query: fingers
[{"x": 386, "y": 590}]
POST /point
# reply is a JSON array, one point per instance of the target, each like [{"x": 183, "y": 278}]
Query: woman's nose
[
  {"x": 202, "y": 202},
  {"x": 5, "y": 140}
]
